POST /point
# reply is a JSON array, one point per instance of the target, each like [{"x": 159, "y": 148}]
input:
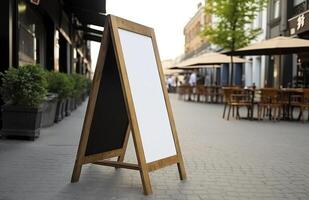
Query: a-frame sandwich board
[{"x": 129, "y": 94}]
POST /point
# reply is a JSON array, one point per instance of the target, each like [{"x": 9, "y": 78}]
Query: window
[
  {"x": 276, "y": 9},
  {"x": 31, "y": 35},
  {"x": 297, "y": 2},
  {"x": 56, "y": 51}
]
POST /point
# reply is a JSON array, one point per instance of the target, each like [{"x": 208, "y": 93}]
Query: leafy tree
[{"x": 232, "y": 29}]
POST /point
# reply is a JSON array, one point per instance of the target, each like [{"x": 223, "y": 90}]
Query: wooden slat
[
  {"x": 80, "y": 156},
  {"x": 125, "y": 144},
  {"x": 180, "y": 163},
  {"x": 162, "y": 163},
  {"x": 124, "y": 24},
  {"x": 118, "y": 164},
  {"x": 102, "y": 156}
]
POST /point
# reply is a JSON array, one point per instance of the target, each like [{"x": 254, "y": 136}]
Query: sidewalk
[{"x": 224, "y": 160}]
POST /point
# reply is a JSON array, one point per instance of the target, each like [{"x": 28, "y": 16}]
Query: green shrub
[
  {"x": 60, "y": 83},
  {"x": 80, "y": 84},
  {"x": 25, "y": 85},
  {"x": 88, "y": 86}
]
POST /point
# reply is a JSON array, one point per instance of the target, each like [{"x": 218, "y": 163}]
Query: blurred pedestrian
[
  {"x": 193, "y": 79},
  {"x": 170, "y": 83}
]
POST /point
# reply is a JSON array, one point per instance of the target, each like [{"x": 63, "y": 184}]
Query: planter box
[
  {"x": 79, "y": 100},
  {"x": 72, "y": 104},
  {"x": 21, "y": 121},
  {"x": 59, "y": 110},
  {"x": 68, "y": 107},
  {"x": 49, "y": 110}
]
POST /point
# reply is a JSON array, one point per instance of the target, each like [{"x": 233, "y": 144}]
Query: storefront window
[
  {"x": 276, "y": 9},
  {"x": 297, "y": 2},
  {"x": 56, "y": 51},
  {"x": 277, "y": 73},
  {"x": 31, "y": 35}
]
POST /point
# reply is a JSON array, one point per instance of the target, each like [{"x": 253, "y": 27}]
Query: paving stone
[{"x": 225, "y": 160}]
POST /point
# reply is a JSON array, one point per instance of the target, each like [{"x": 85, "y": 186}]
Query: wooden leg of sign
[
  {"x": 124, "y": 148},
  {"x": 181, "y": 170},
  {"x": 76, "y": 171},
  {"x": 125, "y": 144},
  {"x": 146, "y": 180}
]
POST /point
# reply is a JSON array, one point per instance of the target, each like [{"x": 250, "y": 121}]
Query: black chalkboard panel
[{"x": 110, "y": 120}]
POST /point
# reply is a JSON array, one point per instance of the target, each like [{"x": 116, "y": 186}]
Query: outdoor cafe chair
[
  {"x": 219, "y": 95},
  {"x": 290, "y": 98},
  {"x": 239, "y": 98},
  {"x": 234, "y": 97},
  {"x": 301, "y": 101},
  {"x": 269, "y": 104},
  {"x": 184, "y": 92},
  {"x": 200, "y": 91},
  {"x": 227, "y": 93},
  {"x": 210, "y": 93}
]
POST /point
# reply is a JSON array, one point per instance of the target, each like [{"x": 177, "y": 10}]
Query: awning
[
  {"x": 172, "y": 71},
  {"x": 88, "y": 12},
  {"x": 275, "y": 46},
  {"x": 208, "y": 59}
]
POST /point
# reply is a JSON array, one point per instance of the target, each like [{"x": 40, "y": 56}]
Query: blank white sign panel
[{"x": 147, "y": 94}]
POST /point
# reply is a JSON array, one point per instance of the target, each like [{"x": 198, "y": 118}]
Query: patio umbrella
[
  {"x": 208, "y": 59},
  {"x": 274, "y": 46},
  {"x": 172, "y": 71}
]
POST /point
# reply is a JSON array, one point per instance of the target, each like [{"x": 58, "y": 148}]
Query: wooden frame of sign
[{"x": 112, "y": 111}]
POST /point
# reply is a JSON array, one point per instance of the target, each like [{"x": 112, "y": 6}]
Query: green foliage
[
  {"x": 25, "y": 85},
  {"x": 232, "y": 30},
  {"x": 89, "y": 83},
  {"x": 80, "y": 84},
  {"x": 60, "y": 83}
]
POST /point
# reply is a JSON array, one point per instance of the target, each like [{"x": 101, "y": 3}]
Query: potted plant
[
  {"x": 23, "y": 90},
  {"x": 79, "y": 86},
  {"x": 70, "y": 99},
  {"x": 87, "y": 87},
  {"x": 60, "y": 83},
  {"x": 49, "y": 109}
]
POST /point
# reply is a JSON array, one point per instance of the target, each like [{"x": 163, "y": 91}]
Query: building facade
[
  {"x": 288, "y": 18},
  {"x": 55, "y": 34},
  {"x": 298, "y": 26},
  {"x": 255, "y": 65},
  {"x": 194, "y": 42}
]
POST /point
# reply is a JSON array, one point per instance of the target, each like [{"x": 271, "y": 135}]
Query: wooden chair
[
  {"x": 210, "y": 93},
  {"x": 285, "y": 104},
  {"x": 181, "y": 91},
  {"x": 239, "y": 98},
  {"x": 200, "y": 91},
  {"x": 269, "y": 102},
  {"x": 219, "y": 95},
  {"x": 227, "y": 93},
  {"x": 301, "y": 101},
  {"x": 233, "y": 97},
  {"x": 184, "y": 92}
]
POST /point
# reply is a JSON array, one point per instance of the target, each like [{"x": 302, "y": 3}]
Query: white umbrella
[
  {"x": 275, "y": 46},
  {"x": 208, "y": 59}
]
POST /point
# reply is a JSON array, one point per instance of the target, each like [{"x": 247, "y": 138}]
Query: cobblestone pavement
[{"x": 228, "y": 160}]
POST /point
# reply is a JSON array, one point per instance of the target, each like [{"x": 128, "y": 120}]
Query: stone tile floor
[{"x": 228, "y": 160}]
